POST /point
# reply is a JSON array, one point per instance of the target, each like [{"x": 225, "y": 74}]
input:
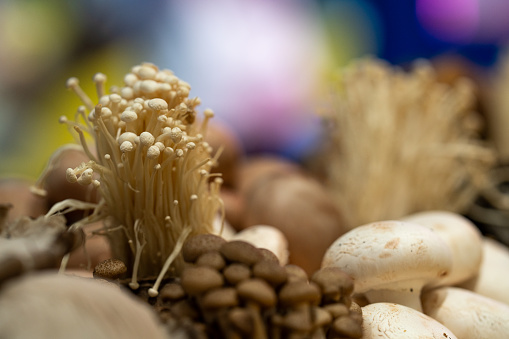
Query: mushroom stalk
[{"x": 152, "y": 168}]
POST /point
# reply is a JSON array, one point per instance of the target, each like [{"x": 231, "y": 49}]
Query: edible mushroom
[
  {"x": 491, "y": 280},
  {"x": 388, "y": 320},
  {"x": 391, "y": 261},
  {"x": 462, "y": 236},
  {"x": 469, "y": 315}
]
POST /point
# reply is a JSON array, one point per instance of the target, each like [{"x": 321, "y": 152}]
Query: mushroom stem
[{"x": 406, "y": 296}]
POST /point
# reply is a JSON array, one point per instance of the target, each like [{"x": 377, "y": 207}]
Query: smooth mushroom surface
[
  {"x": 469, "y": 315},
  {"x": 60, "y": 307},
  {"x": 394, "y": 321},
  {"x": 462, "y": 236},
  {"x": 492, "y": 280},
  {"x": 391, "y": 261},
  {"x": 268, "y": 237}
]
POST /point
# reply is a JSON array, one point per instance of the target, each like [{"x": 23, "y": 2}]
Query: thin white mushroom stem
[
  {"x": 153, "y": 292},
  {"x": 139, "y": 248}
]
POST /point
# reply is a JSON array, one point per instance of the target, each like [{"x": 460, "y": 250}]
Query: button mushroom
[
  {"x": 463, "y": 238},
  {"x": 391, "y": 260},
  {"x": 469, "y": 315},
  {"x": 388, "y": 320},
  {"x": 50, "y": 305},
  {"x": 491, "y": 280}
]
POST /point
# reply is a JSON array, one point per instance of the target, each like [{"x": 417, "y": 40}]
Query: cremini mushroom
[
  {"x": 301, "y": 208},
  {"x": 391, "y": 260},
  {"x": 491, "y": 280},
  {"x": 463, "y": 238},
  {"x": 469, "y": 315},
  {"x": 50, "y": 305},
  {"x": 395, "y": 321}
]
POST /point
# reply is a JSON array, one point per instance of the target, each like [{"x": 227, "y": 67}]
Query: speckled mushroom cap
[
  {"x": 388, "y": 320},
  {"x": 390, "y": 254}
]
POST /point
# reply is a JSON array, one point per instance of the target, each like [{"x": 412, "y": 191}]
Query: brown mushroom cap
[
  {"x": 241, "y": 251},
  {"x": 347, "y": 327},
  {"x": 172, "y": 291},
  {"x": 299, "y": 292},
  {"x": 218, "y": 298},
  {"x": 270, "y": 271},
  {"x": 296, "y": 273},
  {"x": 236, "y": 272},
  {"x": 333, "y": 282},
  {"x": 199, "y": 244},
  {"x": 196, "y": 280},
  {"x": 242, "y": 319},
  {"x": 258, "y": 291},
  {"x": 212, "y": 259},
  {"x": 110, "y": 269},
  {"x": 298, "y": 320}
]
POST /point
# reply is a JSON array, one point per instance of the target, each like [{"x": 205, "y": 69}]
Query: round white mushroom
[
  {"x": 391, "y": 261},
  {"x": 492, "y": 280},
  {"x": 388, "y": 320},
  {"x": 462, "y": 236},
  {"x": 469, "y": 315}
]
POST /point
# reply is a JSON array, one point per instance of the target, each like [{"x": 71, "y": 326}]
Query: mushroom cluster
[
  {"x": 232, "y": 289},
  {"x": 151, "y": 166}
]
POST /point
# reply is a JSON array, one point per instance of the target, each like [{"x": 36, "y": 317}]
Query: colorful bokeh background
[{"x": 257, "y": 63}]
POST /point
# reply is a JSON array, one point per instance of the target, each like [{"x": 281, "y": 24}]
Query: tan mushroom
[
  {"x": 56, "y": 306},
  {"x": 388, "y": 320},
  {"x": 463, "y": 238},
  {"x": 267, "y": 237},
  {"x": 469, "y": 315},
  {"x": 491, "y": 281},
  {"x": 391, "y": 260}
]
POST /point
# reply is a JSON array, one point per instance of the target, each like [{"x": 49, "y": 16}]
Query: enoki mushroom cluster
[
  {"x": 151, "y": 165},
  {"x": 235, "y": 290}
]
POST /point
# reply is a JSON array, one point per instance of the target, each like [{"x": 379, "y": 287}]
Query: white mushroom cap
[
  {"x": 268, "y": 237},
  {"x": 467, "y": 314},
  {"x": 462, "y": 236},
  {"x": 56, "y": 306},
  {"x": 390, "y": 260},
  {"x": 387, "y": 320},
  {"x": 493, "y": 278}
]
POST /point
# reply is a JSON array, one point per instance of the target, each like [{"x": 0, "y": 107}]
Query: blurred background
[{"x": 257, "y": 63}]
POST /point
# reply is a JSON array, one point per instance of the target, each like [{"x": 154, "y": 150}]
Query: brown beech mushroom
[
  {"x": 267, "y": 237},
  {"x": 197, "y": 280},
  {"x": 301, "y": 208},
  {"x": 56, "y": 306},
  {"x": 391, "y": 260},
  {"x": 258, "y": 295},
  {"x": 388, "y": 320},
  {"x": 491, "y": 280},
  {"x": 469, "y": 315},
  {"x": 463, "y": 238}
]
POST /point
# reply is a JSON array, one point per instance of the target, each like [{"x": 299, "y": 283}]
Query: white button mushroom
[
  {"x": 491, "y": 281},
  {"x": 469, "y": 315},
  {"x": 462, "y": 236},
  {"x": 51, "y": 305},
  {"x": 391, "y": 260},
  {"x": 387, "y": 320}
]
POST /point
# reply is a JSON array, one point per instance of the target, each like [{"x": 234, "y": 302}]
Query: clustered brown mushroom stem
[{"x": 151, "y": 165}]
